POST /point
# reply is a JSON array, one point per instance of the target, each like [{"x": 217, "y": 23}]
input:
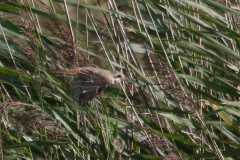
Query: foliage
[{"x": 182, "y": 59}]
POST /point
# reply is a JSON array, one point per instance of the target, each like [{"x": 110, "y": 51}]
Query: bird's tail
[{"x": 66, "y": 71}]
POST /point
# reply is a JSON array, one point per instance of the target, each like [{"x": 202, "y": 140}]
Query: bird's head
[{"x": 117, "y": 77}]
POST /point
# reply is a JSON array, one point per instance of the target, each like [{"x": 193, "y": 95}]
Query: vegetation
[{"x": 182, "y": 59}]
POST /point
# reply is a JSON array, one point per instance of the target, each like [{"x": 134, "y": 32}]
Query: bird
[{"x": 90, "y": 81}]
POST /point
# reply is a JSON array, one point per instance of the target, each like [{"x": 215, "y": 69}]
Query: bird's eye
[{"x": 119, "y": 76}]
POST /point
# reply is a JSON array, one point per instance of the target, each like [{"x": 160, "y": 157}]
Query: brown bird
[{"x": 90, "y": 81}]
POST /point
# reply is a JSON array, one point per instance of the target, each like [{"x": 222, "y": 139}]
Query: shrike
[{"x": 90, "y": 81}]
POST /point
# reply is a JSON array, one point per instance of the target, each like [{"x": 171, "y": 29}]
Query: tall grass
[{"x": 182, "y": 59}]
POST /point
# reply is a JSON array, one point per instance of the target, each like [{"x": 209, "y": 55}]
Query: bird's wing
[
  {"x": 93, "y": 77},
  {"x": 82, "y": 92}
]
